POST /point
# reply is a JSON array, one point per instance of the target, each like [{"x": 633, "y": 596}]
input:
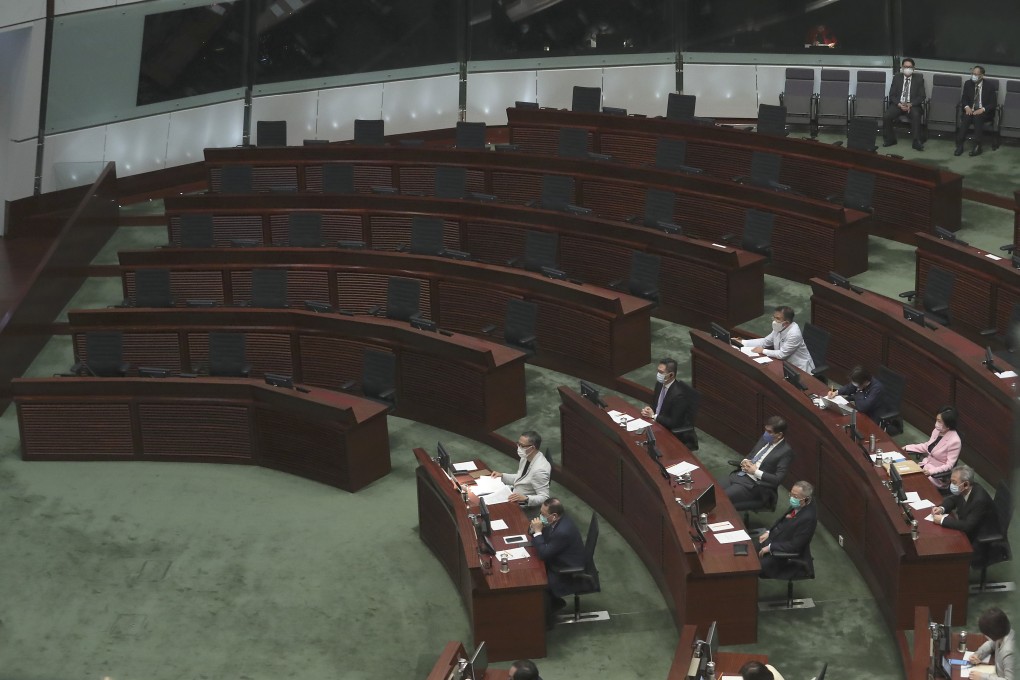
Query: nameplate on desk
[
  {"x": 465, "y": 467},
  {"x": 992, "y": 257},
  {"x": 1006, "y": 374}
]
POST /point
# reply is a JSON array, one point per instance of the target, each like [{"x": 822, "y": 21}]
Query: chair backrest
[
  {"x": 938, "y": 289},
  {"x": 304, "y": 229},
  {"x": 104, "y": 352},
  {"x": 269, "y": 288},
  {"x": 427, "y": 236},
  {"x": 337, "y": 178},
  {"x": 402, "y": 298},
  {"x": 945, "y": 95},
  {"x": 590, "y": 543},
  {"x": 196, "y": 231},
  {"x": 1010, "y": 119},
  {"x": 573, "y": 143},
  {"x": 557, "y": 191},
  {"x": 758, "y": 227},
  {"x": 521, "y": 320},
  {"x": 833, "y": 93},
  {"x": 586, "y": 99},
  {"x": 680, "y": 106},
  {"x": 772, "y": 120},
  {"x": 470, "y": 135},
  {"x": 525, "y": 105},
  {"x": 152, "y": 288},
  {"x": 236, "y": 179},
  {"x": 1003, "y": 505},
  {"x": 369, "y": 131},
  {"x": 379, "y": 374},
  {"x": 226, "y": 354},
  {"x": 670, "y": 154},
  {"x": 693, "y": 398},
  {"x": 798, "y": 90},
  {"x": 451, "y": 182},
  {"x": 540, "y": 249},
  {"x": 644, "y": 275},
  {"x": 860, "y": 188},
  {"x": 816, "y": 339},
  {"x": 869, "y": 100},
  {"x": 861, "y": 134},
  {"x": 765, "y": 167},
  {"x": 1012, "y": 334},
  {"x": 893, "y": 383},
  {"x": 659, "y": 206},
  {"x": 271, "y": 133}
]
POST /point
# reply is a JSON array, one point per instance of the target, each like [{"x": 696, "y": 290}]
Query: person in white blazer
[
  {"x": 530, "y": 484},
  {"x": 785, "y": 342}
]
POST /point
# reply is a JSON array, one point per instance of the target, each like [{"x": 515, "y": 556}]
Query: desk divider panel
[
  {"x": 335, "y": 227},
  {"x": 466, "y": 308},
  {"x": 266, "y": 352},
  {"x": 67, "y": 429},
  {"x": 301, "y": 286},
  {"x": 213, "y": 429},
  {"x": 517, "y": 187},
  {"x": 358, "y": 292},
  {"x": 160, "y": 350},
  {"x": 330, "y": 362},
  {"x": 185, "y": 285}
]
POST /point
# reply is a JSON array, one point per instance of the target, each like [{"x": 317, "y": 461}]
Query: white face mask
[
  {"x": 660, "y": 377},
  {"x": 777, "y": 326},
  {"x": 907, "y": 71},
  {"x": 975, "y": 77},
  {"x": 521, "y": 451}
]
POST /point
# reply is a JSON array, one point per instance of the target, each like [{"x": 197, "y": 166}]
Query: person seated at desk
[
  {"x": 672, "y": 406},
  {"x": 792, "y": 533},
  {"x": 994, "y": 625},
  {"x": 757, "y": 481},
  {"x": 969, "y": 508},
  {"x": 866, "y": 392},
  {"x": 558, "y": 542},
  {"x": 531, "y": 483},
  {"x": 942, "y": 449},
  {"x": 756, "y": 670},
  {"x": 979, "y": 102},
  {"x": 785, "y": 342},
  {"x": 523, "y": 669}
]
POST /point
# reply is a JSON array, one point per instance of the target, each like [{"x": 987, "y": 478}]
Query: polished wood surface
[
  {"x": 918, "y": 656},
  {"x": 449, "y": 659},
  {"x": 607, "y": 467},
  {"x": 909, "y": 196},
  {"x": 811, "y": 237},
  {"x": 330, "y": 437},
  {"x": 726, "y": 663},
  {"x": 459, "y": 296},
  {"x": 738, "y": 395},
  {"x": 505, "y": 610},
  {"x": 941, "y": 367},
  {"x": 462, "y": 383}
]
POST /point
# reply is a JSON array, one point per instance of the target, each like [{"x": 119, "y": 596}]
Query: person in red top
[{"x": 820, "y": 36}]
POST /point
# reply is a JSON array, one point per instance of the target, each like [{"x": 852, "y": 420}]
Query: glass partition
[{"x": 979, "y": 33}]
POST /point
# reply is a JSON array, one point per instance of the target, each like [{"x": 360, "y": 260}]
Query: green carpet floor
[{"x": 164, "y": 571}]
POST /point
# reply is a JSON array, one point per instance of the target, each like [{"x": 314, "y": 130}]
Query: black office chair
[
  {"x": 802, "y": 570},
  {"x": 268, "y": 289},
  {"x": 271, "y": 133},
  {"x": 371, "y": 132},
  {"x": 557, "y": 192},
  {"x": 470, "y": 135},
  {"x": 1010, "y": 340},
  {"x": 227, "y": 355},
  {"x": 767, "y": 504},
  {"x": 659, "y": 208},
  {"x": 891, "y": 421},
  {"x": 586, "y": 99},
  {"x": 757, "y": 236},
  {"x": 426, "y": 236},
  {"x": 378, "y": 378},
  {"x": 540, "y": 250},
  {"x": 584, "y": 580},
  {"x": 938, "y": 291},
  {"x": 451, "y": 182},
  {"x": 573, "y": 143},
  {"x": 403, "y": 299},
  {"x": 152, "y": 288},
  {"x": 862, "y": 134},
  {"x": 236, "y": 179},
  {"x": 772, "y": 120},
  {"x": 104, "y": 356},
  {"x": 765, "y": 169},
  {"x": 671, "y": 154},
  {"x": 993, "y": 542},
  {"x": 337, "y": 178},
  {"x": 816, "y": 339},
  {"x": 196, "y": 231},
  {"x": 304, "y": 230},
  {"x": 644, "y": 276},
  {"x": 686, "y": 433},
  {"x": 680, "y": 107},
  {"x": 860, "y": 188},
  {"x": 519, "y": 326}
]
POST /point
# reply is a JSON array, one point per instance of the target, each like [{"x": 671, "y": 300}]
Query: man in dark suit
[
  {"x": 969, "y": 509},
  {"x": 905, "y": 96},
  {"x": 558, "y": 542},
  {"x": 865, "y": 391},
  {"x": 979, "y": 101},
  {"x": 672, "y": 402},
  {"x": 761, "y": 473},
  {"x": 792, "y": 533}
]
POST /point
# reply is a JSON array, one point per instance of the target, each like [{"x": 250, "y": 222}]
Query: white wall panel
[
  {"x": 71, "y": 158},
  {"x": 298, "y": 109},
  {"x": 418, "y": 105},
  {"x": 339, "y": 107},
  {"x": 193, "y": 130},
  {"x": 723, "y": 90},
  {"x": 138, "y": 145},
  {"x": 639, "y": 89},
  {"x": 19, "y": 11},
  {"x": 490, "y": 94},
  {"x": 21, "y": 168},
  {"x": 68, "y": 6},
  {"x": 556, "y": 88}
]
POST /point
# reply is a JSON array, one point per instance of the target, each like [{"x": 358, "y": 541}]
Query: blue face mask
[
  {"x": 795, "y": 502},
  {"x": 954, "y": 488},
  {"x": 768, "y": 437}
]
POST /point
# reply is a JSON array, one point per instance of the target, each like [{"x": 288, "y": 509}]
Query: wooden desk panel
[
  {"x": 726, "y": 663},
  {"x": 464, "y": 384},
  {"x": 941, "y": 367},
  {"x": 605, "y": 466},
  {"x": 330, "y": 437},
  {"x": 815, "y": 169},
  {"x": 852, "y": 500}
]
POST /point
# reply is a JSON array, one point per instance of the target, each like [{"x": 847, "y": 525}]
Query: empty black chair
[
  {"x": 427, "y": 236},
  {"x": 271, "y": 133},
  {"x": 470, "y": 135},
  {"x": 686, "y": 433},
  {"x": 379, "y": 377},
  {"x": 765, "y": 169},
  {"x": 519, "y": 325},
  {"x": 860, "y": 188},
  {"x": 757, "y": 236},
  {"x": 304, "y": 230},
  {"x": 152, "y": 288},
  {"x": 861, "y": 134},
  {"x": 992, "y": 543},
  {"x": 451, "y": 182},
  {"x": 104, "y": 356},
  {"x": 772, "y": 120},
  {"x": 584, "y": 580},
  {"x": 269, "y": 288},
  {"x": 236, "y": 179},
  {"x": 573, "y": 143},
  {"x": 402, "y": 299},
  {"x": 586, "y": 99},
  {"x": 671, "y": 154},
  {"x": 540, "y": 250},
  {"x": 196, "y": 231},
  {"x": 817, "y": 341},
  {"x": 890, "y": 420},
  {"x": 369, "y": 132},
  {"x": 938, "y": 291},
  {"x": 337, "y": 178},
  {"x": 659, "y": 207},
  {"x": 680, "y": 106},
  {"x": 644, "y": 276},
  {"x": 1010, "y": 339},
  {"x": 557, "y": 192},
  {"x": 227, "y": 355}
]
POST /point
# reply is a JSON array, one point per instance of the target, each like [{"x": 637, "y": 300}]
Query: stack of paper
[
  {"x": 733, "y": 536},
  {"x": 749, "y": 351},
  {"x": 637, "y": 424},
  {"x": 681, "y": 468},
  {"x": 841, "y": 400},
  {"x": 465, "y": 467},
  {"x": 1006, "y": 374},
  {"x": 513, "y": 554},
  {"x": 492, "y": 489},
  {"x": 922, "y": 505},
  {"x": 619, "y": 417},
  {"x": 912, "y": 496},
  {"x": 498, "y": 525},
  {"x": 720, "y": 526},
  {"x": 762, "y": 360}
]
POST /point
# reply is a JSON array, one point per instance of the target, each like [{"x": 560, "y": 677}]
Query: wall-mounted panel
[
  {"x": 339, "y": 107},
  {"x": 12, "y": 13},
  {"x": 193, "y": 130},
  {"x": 556, "y": 88},
  {"x": 723, "y": 90},
  {"x": 298, "y": 109},
  {"x": 639, "y": 89},
  {"x": 418, "y": 105},
  {"x": 73, "y": 158},
  {"x": 490, "y": 94},
  {"x": 138, "y": 145}
]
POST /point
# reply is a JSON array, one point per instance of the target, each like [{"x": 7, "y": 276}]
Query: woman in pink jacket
[{"x": 942, "y": 450}]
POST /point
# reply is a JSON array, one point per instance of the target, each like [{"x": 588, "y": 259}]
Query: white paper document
[
  {"x": 497, "y": 524},
  {"x": 732, "y": 677},
  {"x": 762, "y": 360},
  {"x": 500, "y": 495},
  {"x": 1006, "y": 374},
  {"x": 681, "y": 468},
  {"x": 841, "y": 400},
  {"x": 619, "y": 417},
  {"x": 486, "y": 484},
  {"x": 637, "y": 424},
  {"x": 931, "y": 517},
  {"x": 922, "y": 504},
  {"x": 720, "y": 526},
  {"x": 719, "y": 245},
  {"x": 913, "y": 497},
  {"x": 513, "y": 554},
  {"x": 733, "y": 536},
  {"x": 749, "y": 351},
  {"x": 992, "y": 257},
  {"x": 465, "y": 467}
]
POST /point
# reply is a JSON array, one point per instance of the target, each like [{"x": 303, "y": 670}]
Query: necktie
[
  {"x": 662, "y": 398},
  {"x": 977, "y": 99},
  {"x": 906, "y": 90}
]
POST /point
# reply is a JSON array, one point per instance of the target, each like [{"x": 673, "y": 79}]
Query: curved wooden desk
[
  {"x": 697, "y": 280},
  {"x": 330, "y": 437},
  {"x": 506, "y": 610},
  {"x": 459, "y": 296},
  {"x": 726, "y": 663},
  {"x": 737, "y": 395},
  {"x": 449, "y": 660},
  {"x": 605, "y": 465},
  {"x": 460, "y": 383},
  {"x": 818, "y": 170},
  {"x": 941, "y": 367},
  {"x": 811, "y": 237}
]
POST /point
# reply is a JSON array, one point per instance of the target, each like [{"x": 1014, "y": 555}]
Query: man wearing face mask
[
  {"x": 969, "y": 509},
  {"x": 558, "y": 542},
  {"x": 531, "y": 483},
  {"x": 672, "y": 407},
  {"x": 757, "y": 480},
  {"x": 979, "y": 101},
  {"x": 792, "y": 533},
  {"x": 785, "y": 342},
  {"x": 906, "y": 95},
  {"x": 866, "y": 392}
]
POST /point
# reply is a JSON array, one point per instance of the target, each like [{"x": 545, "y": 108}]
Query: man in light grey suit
[
  {"x": 531, "y": 483},
  {"x": 994, "y": 624},
  {"x": 785, "y": 342}
]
